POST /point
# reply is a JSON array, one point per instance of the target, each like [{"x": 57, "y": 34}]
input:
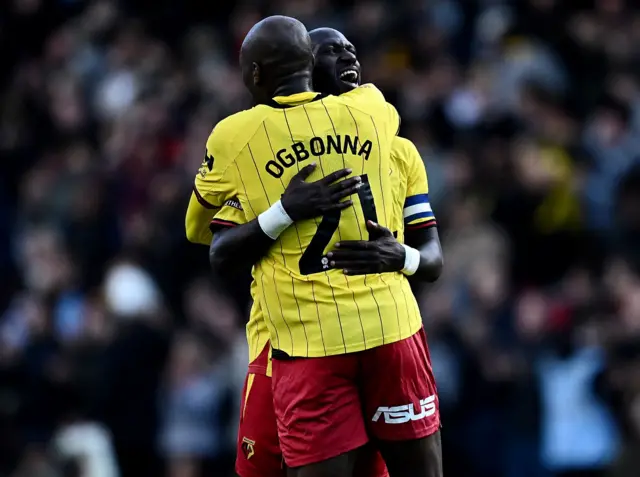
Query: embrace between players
[{"x": 313, "y": 189}]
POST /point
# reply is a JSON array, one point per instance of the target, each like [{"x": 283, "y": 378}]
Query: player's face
[{"x": 337, "y": 69}]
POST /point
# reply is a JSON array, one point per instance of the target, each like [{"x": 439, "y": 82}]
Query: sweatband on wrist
[
  {"x": 274, "y": 220},
  {"x": 411, "y": 260}
]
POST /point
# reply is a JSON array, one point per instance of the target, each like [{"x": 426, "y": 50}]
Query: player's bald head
[
  {"x": 321, "y": 35},
  {"x": 275, "y": 50}
]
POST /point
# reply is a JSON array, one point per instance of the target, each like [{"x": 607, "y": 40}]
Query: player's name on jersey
[{"x": 315, "y": 147}]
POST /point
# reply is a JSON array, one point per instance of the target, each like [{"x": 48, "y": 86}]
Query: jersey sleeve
[
  {"x": 417, "y": 209},
  {"x": 203, "y": 222},
  {"x": 230, "y": 215},
  {"x": 214, "y": 186},
  {"x": 215, "y": 182},
  {"x": 197, "y": 220}
]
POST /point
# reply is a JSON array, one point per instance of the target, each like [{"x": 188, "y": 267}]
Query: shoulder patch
[
  {"x": 235, "y": 203},
  {"x": 208, "y": 161},
  {"x": 207, "y": 165}
]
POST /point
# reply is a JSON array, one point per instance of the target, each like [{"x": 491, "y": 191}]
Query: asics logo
[{"x": 406, "y": 412}]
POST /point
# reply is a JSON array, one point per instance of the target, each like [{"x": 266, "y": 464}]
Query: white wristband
[
  {"x": 274, "y": 220},
  {"x": 411, "y": 260}
]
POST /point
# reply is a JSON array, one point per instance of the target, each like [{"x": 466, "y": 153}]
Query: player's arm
[
  {"x": 244, "y": 245},
  {"x": 382, "y": 253},
  {"x": 231, "y": 215},
  {"x": 420, "y": 256},
  {"x": 213, "y": 187},
  {"x": 198, "y": 219},
  {"x": 420, "y": 231}
]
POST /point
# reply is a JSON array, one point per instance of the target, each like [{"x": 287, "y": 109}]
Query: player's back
[{"x": 312, "y": 310}]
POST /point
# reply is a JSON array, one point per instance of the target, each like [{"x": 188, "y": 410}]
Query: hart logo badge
[{"x": 247, "y": 447}]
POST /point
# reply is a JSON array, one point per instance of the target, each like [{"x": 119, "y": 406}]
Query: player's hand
[
  {"x": 382, "y": 253},
  {"x": 306, "y": 200}
]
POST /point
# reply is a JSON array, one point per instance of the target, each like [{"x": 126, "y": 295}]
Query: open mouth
[{"x": 350, "y": 75}]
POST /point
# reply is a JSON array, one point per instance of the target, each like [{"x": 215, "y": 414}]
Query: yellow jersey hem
[{"x": 357, "y": 347}]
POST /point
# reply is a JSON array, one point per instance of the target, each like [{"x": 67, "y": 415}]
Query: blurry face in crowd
[
  {"x": 606, "y": 128},
  {"x": 337, "y": 69}
]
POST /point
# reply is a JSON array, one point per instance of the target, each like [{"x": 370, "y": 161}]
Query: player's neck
[{"x": 301, "y": 84}]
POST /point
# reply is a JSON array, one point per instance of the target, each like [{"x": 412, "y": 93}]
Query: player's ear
[{"x": 255, "y": 73}]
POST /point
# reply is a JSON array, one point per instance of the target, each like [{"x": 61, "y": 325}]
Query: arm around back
[{"x": 246, "y": 244}]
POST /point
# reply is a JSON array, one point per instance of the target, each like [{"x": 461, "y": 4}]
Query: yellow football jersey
[
  {"x": 410, "y": 187},
  {"x": 309, "y": 309}
]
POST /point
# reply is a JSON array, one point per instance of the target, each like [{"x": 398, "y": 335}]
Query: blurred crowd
[{"x": 119, "y": 357}]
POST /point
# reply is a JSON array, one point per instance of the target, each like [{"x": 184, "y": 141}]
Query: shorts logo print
[
  {"x": 247, "y": 447},
  {"x": 406, "y": 413}
]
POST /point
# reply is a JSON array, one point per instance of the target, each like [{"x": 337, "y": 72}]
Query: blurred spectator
[
  {"x": 88, "y": 446},
  {"x": 192, "y": 436},
  {"x": 133, "y": 360}
]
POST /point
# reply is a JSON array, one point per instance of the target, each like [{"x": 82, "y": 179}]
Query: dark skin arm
[
  {"x": 225, "y": 256},
  {"x": 383, "y": 253},
  {"x": 240, "y": 247}
]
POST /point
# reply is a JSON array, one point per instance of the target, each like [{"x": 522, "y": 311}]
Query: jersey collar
[{"x": 295, "y": 99}]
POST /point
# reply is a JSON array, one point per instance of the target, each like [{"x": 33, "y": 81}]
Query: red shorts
[
  {"x": 258, "y": 448},
  {"x": 331, "y": 405}
]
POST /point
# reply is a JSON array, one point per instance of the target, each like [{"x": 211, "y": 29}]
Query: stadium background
[{"x": 116, "y": 352}]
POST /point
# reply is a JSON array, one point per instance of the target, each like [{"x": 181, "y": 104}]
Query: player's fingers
[
  {"x": 337, "y": 196},
  {"x": 339, "y": 187},
  {"x": 342, "y": 255},
  {"x": 349, "y": 264},
  {"x": 377, "y": 228},
  {"x": 337, "y": 206},
  {"x": 305, "y": 172},
  {"x": 353, "y": 245},
  {"x": 334, "y": 176},
  {"x": 367, "y": 270}
]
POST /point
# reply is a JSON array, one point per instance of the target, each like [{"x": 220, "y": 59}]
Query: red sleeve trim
[
  {"x": 226, "y": 223},
  {"x": 422, "y": 225},
  {"x": 202, "y": 200},
  {"x": 216, "y": 225}
]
